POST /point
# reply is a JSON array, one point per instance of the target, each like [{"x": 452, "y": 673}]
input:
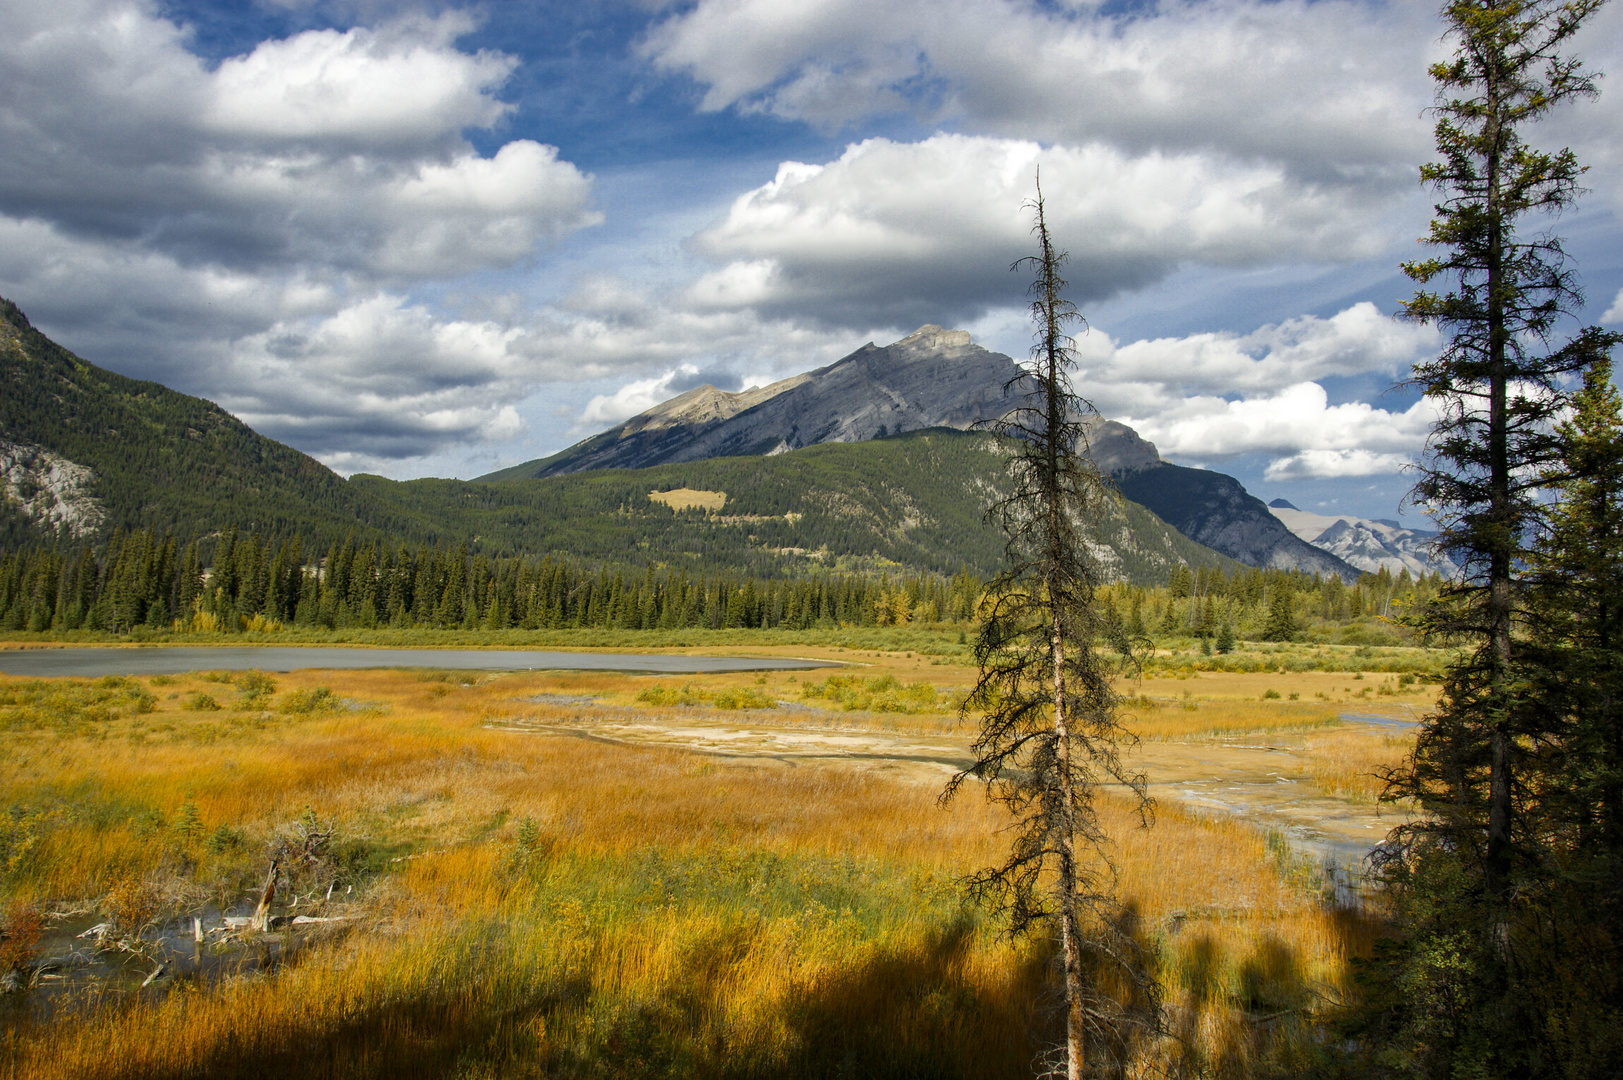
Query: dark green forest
[{"x": 148, "y": 583}]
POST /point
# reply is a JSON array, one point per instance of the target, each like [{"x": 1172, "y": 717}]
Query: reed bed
[
  {"x": 543, "y": 905},
  {"x": 1197, "y": 718},
  {"x": 1351, "y": 764}
]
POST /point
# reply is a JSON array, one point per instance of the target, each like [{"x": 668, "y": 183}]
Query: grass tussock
[{"x": 522, "y": 904}]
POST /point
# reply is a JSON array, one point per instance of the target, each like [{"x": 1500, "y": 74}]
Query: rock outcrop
[{"x": 50, "y": 491}]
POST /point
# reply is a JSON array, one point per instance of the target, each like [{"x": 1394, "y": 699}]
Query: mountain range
[
  {"x": 869, "y": 462},
  {"x": 1369, "y": 544},
  {"x": 933, "y": 378}
]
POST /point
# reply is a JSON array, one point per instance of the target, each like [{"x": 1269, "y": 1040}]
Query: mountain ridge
[{"x": 932, "y": 378}]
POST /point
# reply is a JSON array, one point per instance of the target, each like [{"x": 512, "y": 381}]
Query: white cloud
[
  {"x": 1614, "y": 314},
  {"x": 378, "y": 379},
  {"x": 916, "y": 232},
  {"x": 1286, "y": 422},
  {"x": 1358, "y": 340},
  {"x": 328, "y": 151},
  {"x": 1333, "y": 88},
  {"x": 632, "y": 398},
  {"x": 1326, "y": 464},
  {"x": 1209, "y": 397},
  {"x": 405, "y": 84},
  {"x": 249, "y": 231}
]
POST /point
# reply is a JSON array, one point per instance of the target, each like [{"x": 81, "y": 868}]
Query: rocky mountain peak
[{"x": 932, "y": 338}]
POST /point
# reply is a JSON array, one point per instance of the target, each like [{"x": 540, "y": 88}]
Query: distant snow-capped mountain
[{"x": 1366, "y": 543}]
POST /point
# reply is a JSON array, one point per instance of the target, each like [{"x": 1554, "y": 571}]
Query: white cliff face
[
  {"x": 49, "y": 490},
  {"x": 1368, "y": 543}
]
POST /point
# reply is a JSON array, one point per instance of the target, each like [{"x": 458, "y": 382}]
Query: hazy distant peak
[
  {"x": 1366, "y": 543},
  {"x": 933, "y": 338}
]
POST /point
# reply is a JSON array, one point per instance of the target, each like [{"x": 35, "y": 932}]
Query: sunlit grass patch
[
  {"x": 881, "y": 693},
  {"x": 1191, "y": 717},
  {"x": 731, "y": 697}
]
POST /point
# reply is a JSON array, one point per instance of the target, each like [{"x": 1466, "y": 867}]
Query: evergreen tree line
[
  {"x": 151, "y": 579},
  {"x": 1262, "y": 604}
]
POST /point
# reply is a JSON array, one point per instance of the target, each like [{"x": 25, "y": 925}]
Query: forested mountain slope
[
  {"x": 931, "y": 378},
  {"x": 84, "y": 450},
  {"x": 913, "y": 500}
]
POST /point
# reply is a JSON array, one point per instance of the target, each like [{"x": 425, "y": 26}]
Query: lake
[{"x": 155, "y": 660}]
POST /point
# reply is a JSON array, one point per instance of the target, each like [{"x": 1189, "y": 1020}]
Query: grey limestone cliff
[{"x": 931, "y": 378}]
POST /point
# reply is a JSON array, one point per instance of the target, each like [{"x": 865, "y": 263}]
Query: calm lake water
[{"x": 49, "y": 662}]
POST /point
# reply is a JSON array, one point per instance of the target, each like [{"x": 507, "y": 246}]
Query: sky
[{"x": 441, "y": 239}]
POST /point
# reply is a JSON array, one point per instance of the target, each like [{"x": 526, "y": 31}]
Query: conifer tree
[
  {"x": 1461, "y": 991},
  {"x": 1498, "y": 383},
  {"x": 1574, "y": 666},
  {"x": 1050, "y": 731}
]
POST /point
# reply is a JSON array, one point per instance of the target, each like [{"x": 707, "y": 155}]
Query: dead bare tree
[{"x": 1050, "y": 733}]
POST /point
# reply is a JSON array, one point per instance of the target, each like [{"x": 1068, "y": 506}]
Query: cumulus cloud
[
  {"x": 1245, "y": 78},
  {"x": 926, "y": 231},
  {"x": 1327, "y": 464},
  {"x": 341, "y": 151},
  {"x": 1287, "y": 422},
  {"x": 1358, "y": 340},
  {"x": 1206, "y": 398},
  {"x": 1614, "y": 314},
  {"x": 634, "y": 397},
  {"x": 249, "y": 231},
  {"x": 394, "y": 381}
]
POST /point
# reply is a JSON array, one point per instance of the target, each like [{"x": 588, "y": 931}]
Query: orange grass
[
  {"x": 1192, "y": 718},
  {"x": 1350, "y": 763},
  {"x": 690, "y": 919}
]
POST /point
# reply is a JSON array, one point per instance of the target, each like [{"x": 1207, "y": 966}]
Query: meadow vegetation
[{"x": 513, "y": 903}]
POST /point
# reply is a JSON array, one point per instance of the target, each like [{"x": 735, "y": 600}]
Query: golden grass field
[{"x": 540, "y": 874}]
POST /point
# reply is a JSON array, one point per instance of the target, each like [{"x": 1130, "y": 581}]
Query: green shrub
[
  {"x": 882, "y": 693},
  {"x": 254, "y": 688},
  {"x": 316, "y": 699}
]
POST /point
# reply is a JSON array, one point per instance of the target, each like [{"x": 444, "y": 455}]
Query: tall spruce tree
[
  {"x": 1498, "y": 383},
  {"x": 1462, "y": 999},
  {"x": 1050, "y": 731}
]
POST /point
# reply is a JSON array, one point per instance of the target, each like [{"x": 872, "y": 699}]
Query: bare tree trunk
[
  {"x": 1070, "y": 928},
  {"x": 261, "y": 919}
]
